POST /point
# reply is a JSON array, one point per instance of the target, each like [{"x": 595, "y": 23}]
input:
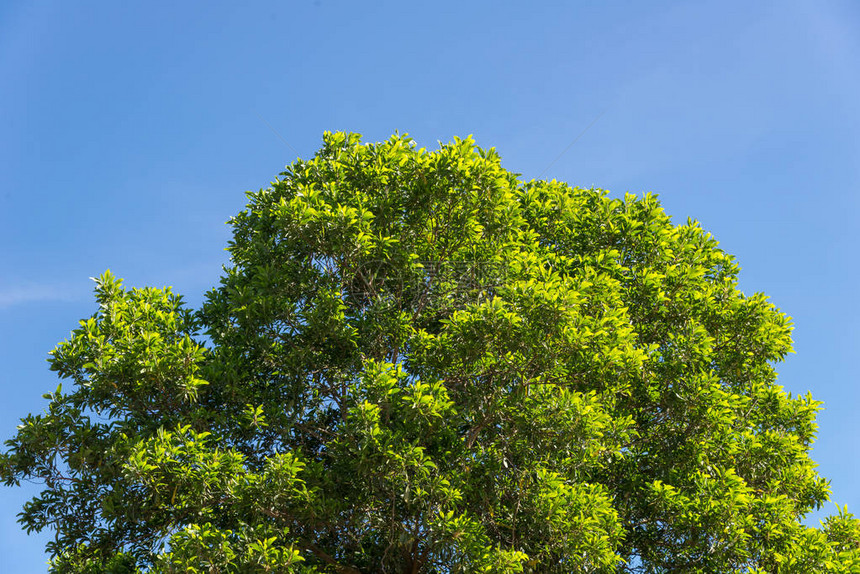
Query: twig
[{"x": 576, "y": 139}]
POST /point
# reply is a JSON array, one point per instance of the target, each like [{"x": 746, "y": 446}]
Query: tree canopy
[{"x": 417, "y": 363}]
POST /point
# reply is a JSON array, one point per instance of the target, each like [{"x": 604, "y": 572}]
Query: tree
[{"x": 416, "y": 363}]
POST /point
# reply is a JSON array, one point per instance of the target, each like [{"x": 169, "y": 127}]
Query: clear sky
[{"x": 129, "y": 132}]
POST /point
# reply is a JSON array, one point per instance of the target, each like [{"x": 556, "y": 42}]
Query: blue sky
[{"x": 129, "y": 132}]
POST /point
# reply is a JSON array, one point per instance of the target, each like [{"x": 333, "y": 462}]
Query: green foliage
[{"x": 416, "y": 363}]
